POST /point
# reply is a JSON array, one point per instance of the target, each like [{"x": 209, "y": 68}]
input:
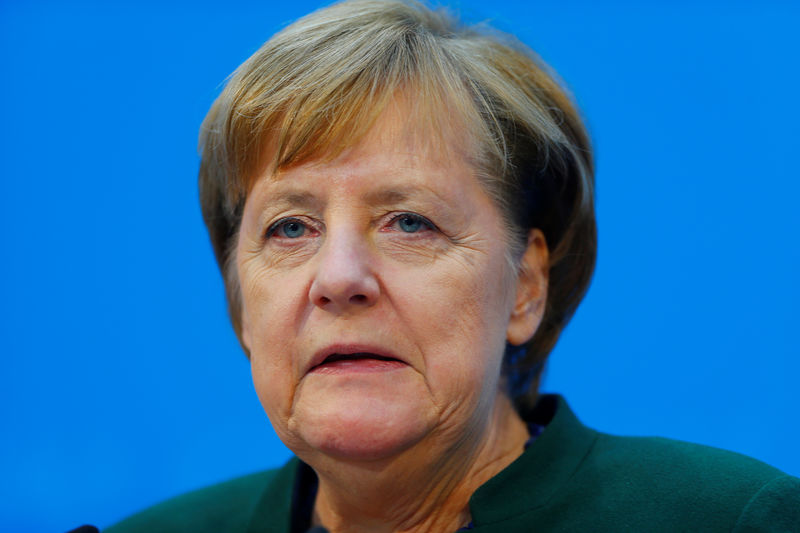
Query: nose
[{"x": 345, "y": 277}]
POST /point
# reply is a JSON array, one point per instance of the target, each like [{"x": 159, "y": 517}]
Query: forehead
[
  {"x": 399, "y": 158},
  {"x": 404, "y": 158},
  {"x": 407, "y": 127},
  {"x": 401, "y": 140},
  {"x": 435, "y": 133}
]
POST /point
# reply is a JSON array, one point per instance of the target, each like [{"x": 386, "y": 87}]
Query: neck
[{"x": 426, "y": 488}]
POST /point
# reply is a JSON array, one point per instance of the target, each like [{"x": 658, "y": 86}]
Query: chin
[{"x": 361, "y": 431}]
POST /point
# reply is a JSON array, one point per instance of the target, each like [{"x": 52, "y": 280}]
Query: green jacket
[{"x": 571, "y": 478}]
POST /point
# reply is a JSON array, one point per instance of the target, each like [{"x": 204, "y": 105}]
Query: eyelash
[
  {"x": 418, "y": 218},
  {"x": 282, "y": 223},
  {"x": 277, "y": 225}
]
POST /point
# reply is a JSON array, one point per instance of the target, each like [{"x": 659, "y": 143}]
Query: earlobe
[{"x": 531, "y": 293}]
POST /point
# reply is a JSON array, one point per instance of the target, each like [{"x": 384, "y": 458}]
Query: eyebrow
[
  {"x": 286, "y": 199},
  {"x": 292, "y": 198},
  {"x": 386, "y": 196},
  {"x": 395, "y": 195},
  {"x": 382, "y": 197}
]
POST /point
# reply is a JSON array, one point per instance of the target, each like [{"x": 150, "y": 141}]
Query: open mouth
[
  {"x": 355, "y": 356},
  {"x": 358, "y": 361}
]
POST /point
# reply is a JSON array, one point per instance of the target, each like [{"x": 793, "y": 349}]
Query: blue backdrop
[{"x": 122, "y": 383}]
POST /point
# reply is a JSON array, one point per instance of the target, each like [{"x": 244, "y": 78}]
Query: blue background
[{"x": 121, "y": 381}]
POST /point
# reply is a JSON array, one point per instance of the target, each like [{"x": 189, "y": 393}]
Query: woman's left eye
[
  {"x": 411, "y": 223},
  {"x": 287, "y": 229}
]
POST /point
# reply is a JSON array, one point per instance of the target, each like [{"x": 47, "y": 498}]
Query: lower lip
[{"x": 357, "y": 365}]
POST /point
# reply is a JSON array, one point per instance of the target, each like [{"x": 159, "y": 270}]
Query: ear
[{"x": 531, "y": 293}]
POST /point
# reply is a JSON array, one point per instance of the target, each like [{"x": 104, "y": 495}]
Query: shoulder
[
  {"x": 677, "y": 484},
  {"x": 227, "y": 506},
  {"x": 661, "y": 460},
  {"x": 573, "y": 478},
  {"x": 686, "y": 483}
]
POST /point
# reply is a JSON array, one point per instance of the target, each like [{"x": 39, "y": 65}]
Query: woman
[{"x": 402, "y": 211}]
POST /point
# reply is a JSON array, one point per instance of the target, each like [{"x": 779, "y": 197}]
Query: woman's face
[{"x": 377, "y": 297}]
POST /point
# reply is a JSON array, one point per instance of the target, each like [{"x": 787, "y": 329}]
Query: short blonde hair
[{"x": 315, "y": 89}]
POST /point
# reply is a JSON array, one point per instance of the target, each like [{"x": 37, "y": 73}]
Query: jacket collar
[
  {"x": 547, "y": 464},
  {"x": 524, "y": 485}
]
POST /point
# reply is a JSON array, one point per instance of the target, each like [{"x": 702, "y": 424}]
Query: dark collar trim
[{"x": 541, "y": 471}]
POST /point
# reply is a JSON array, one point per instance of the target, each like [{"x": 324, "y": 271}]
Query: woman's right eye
[{"x": 290, "y": 228}]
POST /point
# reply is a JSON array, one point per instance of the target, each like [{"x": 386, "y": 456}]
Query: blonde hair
[{"x": 315, "y": 89}]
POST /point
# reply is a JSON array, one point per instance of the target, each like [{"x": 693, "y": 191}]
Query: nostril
[
  {"x": 338, "y": 286},
  {"x": 358, "y": 299}
]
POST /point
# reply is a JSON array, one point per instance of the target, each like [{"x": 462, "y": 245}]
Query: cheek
[
  {"x": 458, "y": 313},
  {"x": 274, "y": 303},
  {"x": 269, "y": 387},
  {"x": 275, "y": 386},
  {"x": 274, "y": 310}
]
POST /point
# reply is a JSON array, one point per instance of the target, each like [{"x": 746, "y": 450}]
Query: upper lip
[{"x": 349, "y": 348}]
